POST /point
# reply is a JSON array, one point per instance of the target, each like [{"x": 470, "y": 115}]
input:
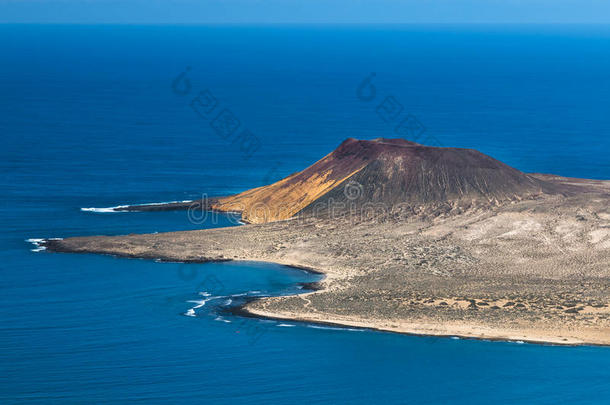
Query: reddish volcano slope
[{"x": 388, "y": 171}]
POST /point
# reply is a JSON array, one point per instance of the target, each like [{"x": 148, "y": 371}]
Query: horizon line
[{"x": 314, "y": 23}]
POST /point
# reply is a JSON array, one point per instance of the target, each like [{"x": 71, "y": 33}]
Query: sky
[{"x": 303, "y": 11}]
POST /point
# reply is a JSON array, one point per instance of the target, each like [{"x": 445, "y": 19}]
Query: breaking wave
[
  {"x": 119, "y": 208},
  {"x": 37, "y": 242}
]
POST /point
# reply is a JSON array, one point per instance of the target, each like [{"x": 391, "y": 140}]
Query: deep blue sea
[{"x": 99, "y": 116}]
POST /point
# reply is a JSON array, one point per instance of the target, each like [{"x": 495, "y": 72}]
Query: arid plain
[{"x": 454, "y": 244}]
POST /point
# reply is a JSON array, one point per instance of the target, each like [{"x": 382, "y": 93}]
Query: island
[{"x": 413, "y": 239}]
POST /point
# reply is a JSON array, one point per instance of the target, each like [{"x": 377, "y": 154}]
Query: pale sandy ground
[
  {"x": 535, "y": 270},
  {"x": 451, "y": 329}
]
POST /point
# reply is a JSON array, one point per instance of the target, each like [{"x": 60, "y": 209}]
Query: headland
[{"x": 414, "y": 239}]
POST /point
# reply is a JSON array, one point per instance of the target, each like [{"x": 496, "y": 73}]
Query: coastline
[
  {"x": 534, "y": 270},
  {"x": 465, "y": 332},
  {"x": 448, "y": 330}
]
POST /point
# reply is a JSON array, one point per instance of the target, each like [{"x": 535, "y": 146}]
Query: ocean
[{"x": 108, "y": 115}]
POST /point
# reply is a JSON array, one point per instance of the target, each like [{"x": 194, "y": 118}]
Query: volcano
[
  {"x": 410, "y": 237},
  {"x": 390, "y": 172}
]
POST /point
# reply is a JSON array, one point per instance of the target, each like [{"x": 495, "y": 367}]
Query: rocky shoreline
[
  {"x": 534, "y": 270},
  {"x": 413, "y": 239}
]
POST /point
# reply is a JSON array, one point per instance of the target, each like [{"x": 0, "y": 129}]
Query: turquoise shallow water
[{"x": 90, "y": 119}]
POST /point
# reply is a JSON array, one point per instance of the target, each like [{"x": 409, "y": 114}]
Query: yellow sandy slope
[{"x": 283, "y": 199}]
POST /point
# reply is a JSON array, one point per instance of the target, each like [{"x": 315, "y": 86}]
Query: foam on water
[
  {"x": 334, "y": 328},
  {"x": 199, "y": 303},
  {"x": 118, "y": 208},
  {"x": 107, "y": 209},
  {"x": 37, "y": 242}
]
